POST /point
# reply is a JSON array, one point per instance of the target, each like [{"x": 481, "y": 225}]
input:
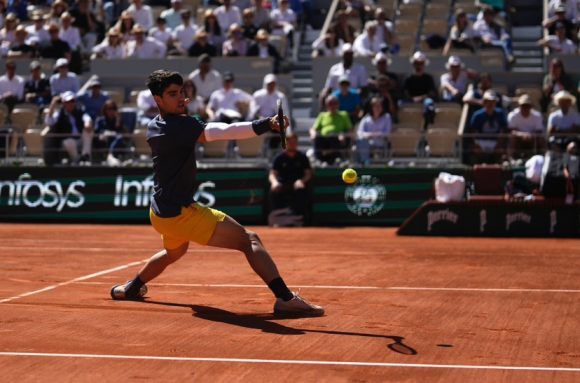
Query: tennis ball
[{"x": 349, "y": 176}]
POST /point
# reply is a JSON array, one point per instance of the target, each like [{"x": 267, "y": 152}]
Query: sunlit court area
[{"x": 290, "y": 191}]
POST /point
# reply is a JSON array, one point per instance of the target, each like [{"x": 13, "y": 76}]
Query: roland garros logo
[{"x": 366, "y": 196}]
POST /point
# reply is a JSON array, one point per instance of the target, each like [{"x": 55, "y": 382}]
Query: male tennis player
[{"x": 172, "y": 136}]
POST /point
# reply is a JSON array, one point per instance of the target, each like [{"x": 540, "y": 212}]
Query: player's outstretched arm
[{"x": 220, "y": 131}]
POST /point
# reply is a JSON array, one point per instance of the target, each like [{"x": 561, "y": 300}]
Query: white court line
[
  {"x": 331, "y": 287},
  {"x": 73, "y": 281},
  {"x": 289, "y": 361}
]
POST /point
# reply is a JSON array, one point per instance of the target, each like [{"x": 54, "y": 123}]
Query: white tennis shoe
[
  {"x": 118, "y": 292},
  {"x": 297, "y": 306}
]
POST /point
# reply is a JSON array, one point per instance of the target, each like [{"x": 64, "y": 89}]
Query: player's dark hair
[{"x": 161, "y": 79}]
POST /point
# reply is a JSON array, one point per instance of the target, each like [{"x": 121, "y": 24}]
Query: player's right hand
[{"x": 275, "y": 126}]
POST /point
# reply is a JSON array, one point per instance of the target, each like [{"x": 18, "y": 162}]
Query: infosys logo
[{"x": 47, "y": 194}]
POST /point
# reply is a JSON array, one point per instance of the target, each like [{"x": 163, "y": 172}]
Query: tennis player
[{"x": 172, "y": 136}]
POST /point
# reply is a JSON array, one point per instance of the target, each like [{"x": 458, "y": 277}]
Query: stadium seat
[
  {"x": 142, "y": 149},
  {"x": 406, "y": 43},
  {"x": 410, "y": 12},
  {"x": 406, "y": 26},
  {"x": 404, "y": 142},
  {"x": 411, "y": 115},
  {"x": 442, "y": 142},
  {"x": 488, "y": 179},
  {"x": 215, "y": 150},
  {"x": 34, "y": 142},
  {"x": 437, "y": 11},
  {"x": 252, "y": 147},
  {"x": 21, "y": 119},
  {"x": 435, "y": 26}
]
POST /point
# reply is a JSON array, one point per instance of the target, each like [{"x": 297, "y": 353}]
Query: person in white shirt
[
  {"x": 357, "y": 74},
  {"x": 144, "y": 47},
  {"x": 327, "y": 45},
  {"x": 147, "y": 107},
  {"x": 227, "y": 14},
  {"x": 11, "y": 86},
  {"x": 206, "y": 79},
  {"x": 558, "y": 43},
  {"x": 570, "y": 5},
  {"x": 68, "y": 33},
  {"x": 37, "y": 33},
  {"x": 368, "y": 43},
  {"x": 228, "y": 104},
  {"x": 161, "y": 32},
  {"x": 565, "y": 119},
  {"x": 184, "y": 34},
  {"x": 262, "y": 19},
  {"x": 142, "y": 14},
  {"x": 172, "y": 15},
  {"x": 526, "y": 129},
  {"x": 454, "y": 82},
  {"x": 111, "y": 48},
  {"x": 236, "y": 44},
  {"x": 265, "y": 104},
  {"x": 492, "y": 34},
  {"x": 284, "y": 21}
]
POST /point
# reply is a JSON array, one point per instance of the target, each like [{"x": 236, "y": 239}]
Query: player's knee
[
  {"x": 253, "y": 236},
  {"x": 174, "y": 254}
]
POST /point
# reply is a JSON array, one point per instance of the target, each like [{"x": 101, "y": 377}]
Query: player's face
[{"x": 172, "y": 100}]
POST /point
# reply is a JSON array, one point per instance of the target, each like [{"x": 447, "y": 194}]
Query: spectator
[
  {"x": 55, "y": 48},
  {"x": 248, "y": 27},
  {"x": 63, "y": 80},
  {"x": 19, "y": 8},
  {"x": 386, "y": 31},
  {"x": 37, "y": 33},
  {"x": 142, "y": 14},
  {"x": 454, "y": 82},
  {"x": 184, "y": 34},
  {"x": 349, "y": 100},
  {"x": 356, "y": 73},
  {"x": 565, "y": 120},
  {"x": 125, "y": 26},
  {"x": 264, "y": 104},
  {"x": 289, "y": 181},
  {"x": 206, "y": 79},
  {"x": 327, "y": 45},
  {"x": 474, "y": 96},
  {"x": 147, "y": 107},
  {"x": 556, "y": 80},
  {"x": 112, "y": 47},
  {"x": 526, "y": 129},
  {"x": 172, "y": 16},
  {"x": 90, "y": 27},
  {"x": 109, "y": 133},
  {"x": 7, "y": 33},
  {"x": 56, "y": 10},
  {"x": 569, "y": 5},
  {"x": 381, "y": 61},
  {"x": 37, "y": 86},
  {"x": 236, "y": 44},
  {"x": 489, "y": 125},
  {"x": 331, "y": 133},
  {"x": 284, "y": 22},
  {"x": 342, "y": 29},
  {"x": 263, "y": 49},
  {"x": 373, "y": 131},
  {"x": 385, "y": 91},
  {"x": 368, "y": 43},
  {"x": 558, "y": 43},
  {"x": 214, "y": 31},
  {"x": 461, "y": 34},
  {"x": 72, "y": 36},
  {"x": 262, "y": 18},
  {"x": 228, "y": 104},
  {"x": 162, "y": 33},
  {"x": 227, "y": 14},
  {"x": 93, "y": 99},
  {"x": 560, "y": 18},
  {"x": 11, "y": 86},
  {"x": 492, "y": 34},
  {"x": 419, "y": 86},
  {"x": 143, "y": 47},
  {"x": 20, "y": 49},
  {"x": 70, "y": 129},
  {"x": 202, "y": 45},
  {"x": 195, "y": 105}
]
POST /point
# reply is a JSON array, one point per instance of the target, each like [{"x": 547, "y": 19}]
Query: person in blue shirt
[
  {"x": 93, "y": 99},
  {"x": 172, "y": 136},
  {"x": 489, "y": 128},
  {"x": 348, "y": 99}
]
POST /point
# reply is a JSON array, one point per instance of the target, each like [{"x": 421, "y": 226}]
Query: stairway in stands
[
  {"x": 303, "y": 93},
  {"x": 526, "y": 31}
]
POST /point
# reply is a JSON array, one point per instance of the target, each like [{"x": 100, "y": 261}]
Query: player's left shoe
[
  {"x": 297, "y": 306},
  {"x": 118, "y": 292}
]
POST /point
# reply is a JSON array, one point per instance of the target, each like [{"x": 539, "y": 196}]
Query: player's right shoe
[
  {"x": 118, "y": 292},
  {"x": 297, "y": 306}
]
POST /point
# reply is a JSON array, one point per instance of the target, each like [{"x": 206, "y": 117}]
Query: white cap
[
  {"x": 269, "y": 78},
  {"x": 61, "y": 62},
  {"x": 454, "y": 61},
  {"x": 347, "y": 47},
  {"x": 490, "y": 95},
  {"x": 381, "y": 56},
  {"x": 419, "y": 56},
  {"x": 67, "y": 96}
]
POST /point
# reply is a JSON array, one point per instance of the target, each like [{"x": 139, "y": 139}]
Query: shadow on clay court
[{"x": 264, "y": 323}]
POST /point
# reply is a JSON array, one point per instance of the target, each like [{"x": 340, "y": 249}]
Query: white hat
[
  {"x": 67, "y": 96},
  {"x": 381, "y": 56},
  {"x": 524, "y": 100},
  {"x": 347, "y": 47},
  {"x": 490, "y": 95},
  {"x": 269, "y": 78},
  {"x": 419, "y": 56},
  {"x": 453, "y": 61},
  {"x": 61, "y": 62},
  {"x": 564, "y": 95}
]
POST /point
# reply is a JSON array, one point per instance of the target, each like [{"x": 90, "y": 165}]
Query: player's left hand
[
  {"x": 298, "y": 184},
  {"x": 274, "y": 126}
]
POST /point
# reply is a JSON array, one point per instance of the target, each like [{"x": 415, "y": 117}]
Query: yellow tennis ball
[{"x": 349, "y": 176}]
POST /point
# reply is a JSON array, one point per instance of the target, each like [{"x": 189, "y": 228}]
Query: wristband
[{"x": 261, "y": 126}]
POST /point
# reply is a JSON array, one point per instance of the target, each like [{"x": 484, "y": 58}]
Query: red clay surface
[{"x": 400, "y": 309}]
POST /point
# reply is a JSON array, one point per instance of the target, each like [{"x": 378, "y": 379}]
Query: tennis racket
[{"x": 281, "y": 123}]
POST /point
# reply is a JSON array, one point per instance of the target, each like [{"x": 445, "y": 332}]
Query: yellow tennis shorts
[{"x": 195, "y": 223}]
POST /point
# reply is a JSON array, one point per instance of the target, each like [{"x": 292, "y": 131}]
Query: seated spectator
[
  {"x": 20, "y": 48},
  {"x": 110, "y": 48},
  {"x": 342, "y": 29},
  {"x": 183, "y": 35},
  {"x": 381, "y": 61},
  {"x": 262, "y": 18},
  {"x": 91, "y": 28},
  {"x": 109, "y": 133},
  {"x": 488, "y": 125},
  {"x": 11, "y": 86},
  {"x": 248, "y": 27},
  {"x": 37, "y": 86},
  {"x": 560, "y": 18},
  {"x": 368, "y": 43},
  {"x": 526, "y": 129},
  {"x": 284, "y": 22},
  {"x": 172, "y": 16},
  {"x": 70, "y": 129},
  {"x": 206, "y": 79},
  {"x": 357, "y": 73},
  {"x": 263, "y": 49},
  {"x": 385, "y": 91},
  {"x": 125, "y": 26},
  {"x": 195, "y": 105},
  {"x": 349, "y": 100},
  {"x": 331, "y": 133},
  {"x": 264, "y": 104},
  {"x": 141, "y": 13},
  {"x": 63, "y": 80},
  {"x": 55, "y": 48},
  {"x": 564, "y": 123},
  {"x": 373, "y": 131},
  {"x": 289, "y": 181},
  {"x": 56, "y": 10},
  {"x": 37, "y": 33},
  {"x": 93, "y": 99},
  {"x": 491, "y": 34},
  {"x": 327, "y": 45},
  {"x": 162, "y": 33},
  {"x": 236, "y": 44},
  {"x": 228, "y": 104},
  {"x": 386, "y": 31},
  {"x": 571, "y": 7},
  {"x": 215, "y": 35},
  {"x": 147, "y": 107},
  {"x": 7, "y": 33},
  {"x": 419, "y": 86},
  {"x": 554, "y": 81},
  {"x": 144, "y": 47},
  {"x": 474, "y": 96},
  {"x": 228, "y": 14},
  {"x": 558, "y": 43},
  {"x": 454, "y": 82},
  {"x": 201, "y": 46},
  {"x": 461, "y": 34},
  {"x": 72, "y": 36}
]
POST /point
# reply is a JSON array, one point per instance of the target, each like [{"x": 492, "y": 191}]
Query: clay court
[{"x": 400, "y": 309}]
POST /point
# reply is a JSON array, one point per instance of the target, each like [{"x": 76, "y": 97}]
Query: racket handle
[{"x": 281, "y": 123}]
